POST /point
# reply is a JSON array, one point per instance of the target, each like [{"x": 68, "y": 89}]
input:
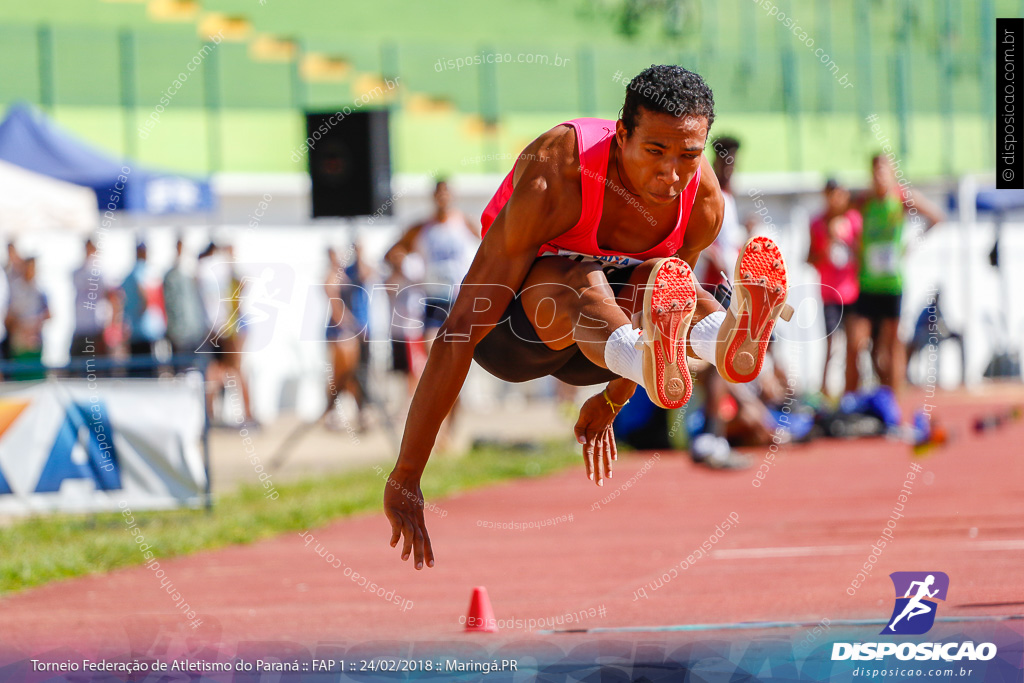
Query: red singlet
[{"x": 593, "y": 139}]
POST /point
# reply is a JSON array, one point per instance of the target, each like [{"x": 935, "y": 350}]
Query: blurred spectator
[
  {"x": 753, "y": 423},
  {"x": 208, "y": 282},
  {"x": 833, "y": 242},
  {"x": 345, "y": 346},
  {"x": 721, "y": 256},
  {"x": 446, "y": 242},
  {"x": 754, "y": 226},
  {"x": 12, "y": 272},
  {"x": 876, "y": 314},
  {"x": 15, "y": 264},
  {"x": 143, "y": 319},
  {"x": 226, "y": 340},
  {"x": 711, "y": 447},
  {"x": 408, "y": 351},
  {"x": 209, "y": 294},
  {"x": 5, "y": 298},
  {"x": 356, "y": 298},
  {"x": 91, "y": 312},
  {"x": 114, "y": 334},
  {"x": 186, "y": 320},
  {"x": 26, "y": 315}
]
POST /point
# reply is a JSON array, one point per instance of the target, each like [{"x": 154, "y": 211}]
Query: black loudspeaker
[{"x": 349, "y": 163}]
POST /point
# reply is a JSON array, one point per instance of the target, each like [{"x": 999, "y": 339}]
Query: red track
[{"x": 965, "y": 517}]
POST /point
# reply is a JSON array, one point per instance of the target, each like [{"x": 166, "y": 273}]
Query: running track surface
[{"x": 801, "y": 539}]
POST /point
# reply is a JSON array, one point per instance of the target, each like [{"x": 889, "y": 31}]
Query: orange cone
[{"x": 481, "y": 617}]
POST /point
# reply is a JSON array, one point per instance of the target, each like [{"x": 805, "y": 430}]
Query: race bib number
[
  {"x": 883, "y": 259},
  {"x": 839, "y": 254}
]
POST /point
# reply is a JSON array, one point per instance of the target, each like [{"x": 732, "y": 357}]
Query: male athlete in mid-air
[{"x": 586, "y": 261}]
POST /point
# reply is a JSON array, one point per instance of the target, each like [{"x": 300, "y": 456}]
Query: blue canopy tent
[{"x": 31, "y": 140}]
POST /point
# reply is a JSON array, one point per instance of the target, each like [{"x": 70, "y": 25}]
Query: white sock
[
  {"x": 704, "y": 336},
  {"x": 621, "y": 355}
]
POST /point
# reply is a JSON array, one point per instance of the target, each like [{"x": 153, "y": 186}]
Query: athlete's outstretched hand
[
  {"x": 594, "y": 431},
  {"x": 403, "y": 504}
]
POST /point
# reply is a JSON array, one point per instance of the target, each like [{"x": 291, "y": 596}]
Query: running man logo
[{"x": 914, "y": 613}]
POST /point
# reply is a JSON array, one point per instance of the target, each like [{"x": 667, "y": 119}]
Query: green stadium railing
[{"x": 926, "y": 69}]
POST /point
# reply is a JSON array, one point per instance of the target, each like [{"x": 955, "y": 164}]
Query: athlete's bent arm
[
  {"x": 533, "y": 215},
  {"x": 403, "y": 246},
  {"x": 933, "y": 215}
]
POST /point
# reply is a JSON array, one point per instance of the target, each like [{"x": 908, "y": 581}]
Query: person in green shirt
[{"x": 880, "y": 252}]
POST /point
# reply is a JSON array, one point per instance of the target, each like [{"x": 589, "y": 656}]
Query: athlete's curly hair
[{"x": 667, "y": 89}]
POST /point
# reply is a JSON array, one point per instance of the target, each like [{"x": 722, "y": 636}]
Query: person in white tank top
[
  {"x": 447, "y": 248},
  {"x": 446, "y": 244}
]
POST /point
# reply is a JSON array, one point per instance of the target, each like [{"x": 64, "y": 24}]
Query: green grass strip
[{"x": 47, "y": 548}]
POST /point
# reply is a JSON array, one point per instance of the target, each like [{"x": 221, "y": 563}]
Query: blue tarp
[
  {"x": 994, "y": 201},
  {"x": 31, "y": 140},
  {"x": 1000, "y": 201}
]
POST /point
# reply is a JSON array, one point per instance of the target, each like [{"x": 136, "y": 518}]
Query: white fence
[{"x": 285, "y": 349}]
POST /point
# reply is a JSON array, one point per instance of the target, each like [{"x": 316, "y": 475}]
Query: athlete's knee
[
  {"x": 582, "y": 276},
  {"x": 592, "y": 294},
  {"x": 549, "y": 304},
  {"x": 473, "y": 300},
  {"x": 582, "y": 284}
]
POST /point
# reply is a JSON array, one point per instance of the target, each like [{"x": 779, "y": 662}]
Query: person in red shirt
[{"x": 834, "y": 237}]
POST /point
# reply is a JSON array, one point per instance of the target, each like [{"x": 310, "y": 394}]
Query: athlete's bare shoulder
[
  {"x": 547, "y": 179},
  {"x": 552, "y": 155}
]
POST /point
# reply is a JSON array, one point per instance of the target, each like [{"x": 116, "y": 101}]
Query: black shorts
[
  {"x": 877, "y": 307},
  {"x": 436, "y": 310},
  {"x": 400, "y": 356},
  {"x": 513, "y": 351},
  {"x": 833, "y": 318}
]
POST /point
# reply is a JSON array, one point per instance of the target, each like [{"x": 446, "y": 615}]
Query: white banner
[{"x": 79, "y": 445}]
